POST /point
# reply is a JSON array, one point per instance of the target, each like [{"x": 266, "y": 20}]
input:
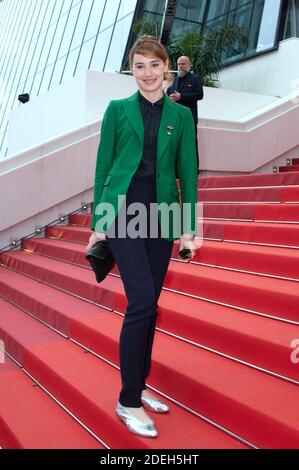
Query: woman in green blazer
[{"x": 146, "y": 139}]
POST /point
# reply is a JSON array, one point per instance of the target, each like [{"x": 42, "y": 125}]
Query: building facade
[{"x": 44, "y": 43}]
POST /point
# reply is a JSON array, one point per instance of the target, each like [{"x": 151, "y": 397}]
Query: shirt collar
[{"x": 148, "y": 103}]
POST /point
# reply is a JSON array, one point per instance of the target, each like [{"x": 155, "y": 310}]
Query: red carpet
[{"x": 223, "y": 346}]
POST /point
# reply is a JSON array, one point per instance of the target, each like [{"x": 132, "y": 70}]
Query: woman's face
[{"x": 149, "y": 72}]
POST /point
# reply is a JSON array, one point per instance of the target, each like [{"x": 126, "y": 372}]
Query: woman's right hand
[{"x": 94, "y": 237}]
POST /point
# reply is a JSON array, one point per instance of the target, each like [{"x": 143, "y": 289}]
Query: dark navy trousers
[{"x": 142, "y": 264}]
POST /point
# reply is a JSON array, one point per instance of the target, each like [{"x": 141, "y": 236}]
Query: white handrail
[{"x": 49, "y": 146}]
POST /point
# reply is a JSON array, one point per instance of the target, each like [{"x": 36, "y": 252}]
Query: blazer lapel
[
  {"x": 133, "y": 112},
  {"x": 167, "y": 123}
]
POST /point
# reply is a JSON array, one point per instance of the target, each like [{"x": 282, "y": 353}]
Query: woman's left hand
[{"x": 188, "y": 241}]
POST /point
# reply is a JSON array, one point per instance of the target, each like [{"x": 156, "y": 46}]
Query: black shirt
[{"x": 151, "y": 114}]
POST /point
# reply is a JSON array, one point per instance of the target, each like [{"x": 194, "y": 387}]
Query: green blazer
[{"x": 119, "y": 154}]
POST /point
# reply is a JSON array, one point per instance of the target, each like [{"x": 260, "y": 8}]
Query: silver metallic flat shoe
[
  {"x": 154, "y": 405},
  {"x": 133, "y": 424}
]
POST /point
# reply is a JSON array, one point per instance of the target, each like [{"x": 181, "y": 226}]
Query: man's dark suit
[{"x": 191, "y": 90}]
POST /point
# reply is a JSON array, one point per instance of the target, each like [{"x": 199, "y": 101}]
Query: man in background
[{"x": 187, "y": 90}]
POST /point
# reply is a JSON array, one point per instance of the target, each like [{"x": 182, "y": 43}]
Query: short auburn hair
[{"x": 150, "y": 46}]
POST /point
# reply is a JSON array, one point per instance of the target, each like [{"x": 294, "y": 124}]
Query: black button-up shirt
[{"x": 151, "y": 114}]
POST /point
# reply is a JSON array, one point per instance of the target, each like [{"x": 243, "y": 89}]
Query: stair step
[
  {"x": 271, "y": 233},
  {"x": 230, "y": 394},
  {"x": 89, "y": 388},
  {"x": 256, "y": 340},
  {"x": 253, "y": 232},
  {"x": 253, "y": 212},
  {"x": 272, "y": 195},
  {"x": 289, "y": 168},
  {"x": 295, "y": 161},
  {"x": 254, "y": 179},
  {"x": 273, "y": 261},
  {"x": 32, "y": 420},
  {"x": 283, "y": 262},
  {"x": 275, "y": 297},
  {"x": 67, "y": 232}
]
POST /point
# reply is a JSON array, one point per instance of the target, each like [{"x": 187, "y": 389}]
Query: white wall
[
  {"x": 230, "y": 105},
  {"x": 68, "y": 106},
  {"x": 53, "y": 146},
  {"x": 273, "y": 73},
  {"x": 38, "y": 191}
]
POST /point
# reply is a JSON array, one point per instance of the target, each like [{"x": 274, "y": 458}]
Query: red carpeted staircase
[
  {"x": 293, "y": 167},
  {"x": 224, "y": 354}
]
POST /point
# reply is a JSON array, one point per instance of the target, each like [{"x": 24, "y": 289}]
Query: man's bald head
[{"x": 184, "y": 65}]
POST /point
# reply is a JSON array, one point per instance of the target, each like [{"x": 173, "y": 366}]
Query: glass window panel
[
  {"x": 30, "y": 43},
  {"x": 7, "y": 109},
  {"x": 68, "y": 33},
  {"x": 157, "y": 18},
  {"x": 215, "y": 24},
  {"x": 42, "y": 8},
  {"x": 58, "y": 32},
  {"x": 3, "y": 143},
  {"x": 45, "y": 80},
  {"x": 37, "y": 52},
  {"x": 255, "y": 26},
  {"x": 70, "y": 64},
  {"x": 67, "y": 5},
  {"x": 55, "y": 80},
  {"x": 57, "y": 10},
  {"x": 110, "y": 13},
  {"x": 179, "y": 25},
  {"x": 100, "y": 51},
  {"x": 81, "y": 24},
  {"x": 218, "y": 8},
  {"x": 34, "y": 88},
  {"x": 48, "y": 17},
  {"x": 267, "y": 34},
  {"x": 241, "y": 17},
  {"x": 85, "y": 55},
  {"x": 127, "y": 7},
  {"x": 239, "y": 3},
  {"x": 191, "y": 10},
  {"x": 27, "y": 60},
  {"x": 14, "y": 43},
  {"x": 118, "y": 44},
  {"x": 47, "y": 47},
  {"x": 155, "y": 6},
  {"x": 3, "y": 97},
  {"x": 296, "y": 18},
  {"x": 28, "y": 85},
  {"x": 95, "y": 18}
]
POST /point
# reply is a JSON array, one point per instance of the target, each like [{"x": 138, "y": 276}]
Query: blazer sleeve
[
  {"x": 187, "y": 172},
  {"x": 105, "y": 156}
]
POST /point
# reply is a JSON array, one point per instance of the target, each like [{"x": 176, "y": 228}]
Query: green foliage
[
  {"x": 205, "y": 50},
  {"x": 146, "y": 25}
]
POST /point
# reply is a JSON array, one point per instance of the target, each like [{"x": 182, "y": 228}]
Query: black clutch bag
[{"x": 101, "y": 259}]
